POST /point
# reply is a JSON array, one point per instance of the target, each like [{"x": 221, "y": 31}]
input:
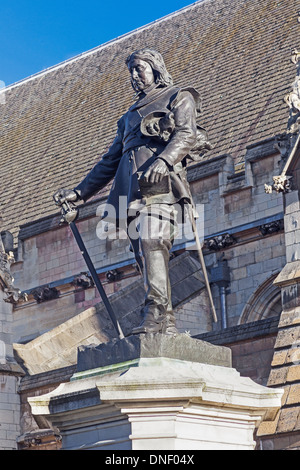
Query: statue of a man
[{"x": 147, "y": 160}]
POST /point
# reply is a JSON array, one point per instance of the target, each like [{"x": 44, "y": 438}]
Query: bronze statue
[{"x": 147, "y": 159}]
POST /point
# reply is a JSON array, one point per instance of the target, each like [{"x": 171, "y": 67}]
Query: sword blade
[{"x": 96, "y": 279}]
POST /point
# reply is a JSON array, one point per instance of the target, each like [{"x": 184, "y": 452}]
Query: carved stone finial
[
  {"x": 13, "y": 294},
  {"x": 292, "y": 99}
]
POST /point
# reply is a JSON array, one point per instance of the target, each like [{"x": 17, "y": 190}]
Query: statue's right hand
[{"x": 63, "y": 195}]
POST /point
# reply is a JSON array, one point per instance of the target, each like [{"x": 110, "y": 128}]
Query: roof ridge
[{"x": 97, "y": 48}]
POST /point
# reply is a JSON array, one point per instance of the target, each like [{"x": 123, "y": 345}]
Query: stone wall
[
  {"x": 10, "y": 372},
  {"x": 284, "y": 432}
]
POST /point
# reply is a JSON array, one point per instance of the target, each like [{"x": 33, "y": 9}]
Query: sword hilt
[{"x": 69, "y": 211}]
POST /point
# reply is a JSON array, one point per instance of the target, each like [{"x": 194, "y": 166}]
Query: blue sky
[{"x": 35, "y": 35}]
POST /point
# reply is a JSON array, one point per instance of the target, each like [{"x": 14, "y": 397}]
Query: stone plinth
[
  {"x": 160, "y": 402},
  {"x": 136, "y": 347}
]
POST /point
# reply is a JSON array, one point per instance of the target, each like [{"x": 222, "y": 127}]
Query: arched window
[{"x": 264, "y": 303}]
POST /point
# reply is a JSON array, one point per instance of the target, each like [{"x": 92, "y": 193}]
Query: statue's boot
[
  {"x": 157, "y": 313},
  {"x": 170, "y": 324}
]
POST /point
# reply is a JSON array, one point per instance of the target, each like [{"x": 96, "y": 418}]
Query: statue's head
[{"x": 149, "y": 58}]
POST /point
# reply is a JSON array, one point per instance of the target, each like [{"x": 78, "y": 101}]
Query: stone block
[
  {"x": 293, "y": 395},
  {"x": 135, "y": 347},
  {"x": 288, "y": 337},
  {"x": 293, "y": 253},
  {"x": 279, "y": 358},
  {"x": 293, "y": 374},
  {"x": 289, "y": 274},
  {"x": 294, "y": 354},
  {"x": 246, "y": 259},
  {"x": 289, "y": 318},
  {"x": 291, "y": 202},
  {"x": 287, "y": 420},
  {"x": 267, "y": 428},
  {"x": 290, "y": 238},
  {"x": 278, "y": 376},
  {"x": 291, "y": 297}
]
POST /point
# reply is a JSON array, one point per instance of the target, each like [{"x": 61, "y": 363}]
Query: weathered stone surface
[
  {"x": 287, "y": 420},
  {"x": 288, "y": 337},
  {"x": 180, "y": 347},
  {"x": 279, "y": 358},
  {"x": 293, "y": 374},
  {"x": 290, "y": 317},
  {"x": 293, "y": 394},
  {"x": 278, "y": 376},
  {"x": 289, "y": 274},
  {"x": 161, "y": 404}
]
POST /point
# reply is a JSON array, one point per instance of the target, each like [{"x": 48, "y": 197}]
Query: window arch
[{"x": 264, "y": 303}]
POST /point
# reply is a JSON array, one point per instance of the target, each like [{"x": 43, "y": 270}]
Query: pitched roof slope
[{"x": 54, "y": 126}]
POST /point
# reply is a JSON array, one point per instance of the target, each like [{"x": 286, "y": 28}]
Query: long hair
[{"x": 155, "y": 59}]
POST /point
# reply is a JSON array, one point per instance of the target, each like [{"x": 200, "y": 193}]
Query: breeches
[{"x": 152, "y": 234}]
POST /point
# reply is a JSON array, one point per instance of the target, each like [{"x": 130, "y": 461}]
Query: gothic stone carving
[
  {"x": 288, "y": 144},
  {"x": 42, "y": 294},
  {"x": 271, "y": 227},
  {"x": 83, "y": 280},
  {"x": 282, "y": 184},
  {"x": 293, "y": 98},
  {"x": 220, "y": 242}
]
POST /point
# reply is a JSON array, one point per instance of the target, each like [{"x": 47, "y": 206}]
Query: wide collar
[{"x": 153, "y": 95}]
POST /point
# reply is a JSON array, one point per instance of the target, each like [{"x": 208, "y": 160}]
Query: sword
[
  {"x": 202, "y": 262},
  {"x": 69, "y": 214}
]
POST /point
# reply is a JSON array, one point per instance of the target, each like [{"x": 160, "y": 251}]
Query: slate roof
[{"x": 54, "y": 125}]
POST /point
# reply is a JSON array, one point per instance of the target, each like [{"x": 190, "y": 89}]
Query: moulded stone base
[{"x": 158, "y": 404}]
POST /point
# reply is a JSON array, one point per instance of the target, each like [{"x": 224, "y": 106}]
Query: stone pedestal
[{"x": 159, "y": 397}]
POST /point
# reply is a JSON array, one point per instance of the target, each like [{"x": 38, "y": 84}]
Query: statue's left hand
[{"x": 156, "y": 171}]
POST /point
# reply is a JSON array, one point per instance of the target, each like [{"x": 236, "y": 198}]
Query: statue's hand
[
  {"x": 156, "y": 171},
  {"x": 63, "y": 195}
]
